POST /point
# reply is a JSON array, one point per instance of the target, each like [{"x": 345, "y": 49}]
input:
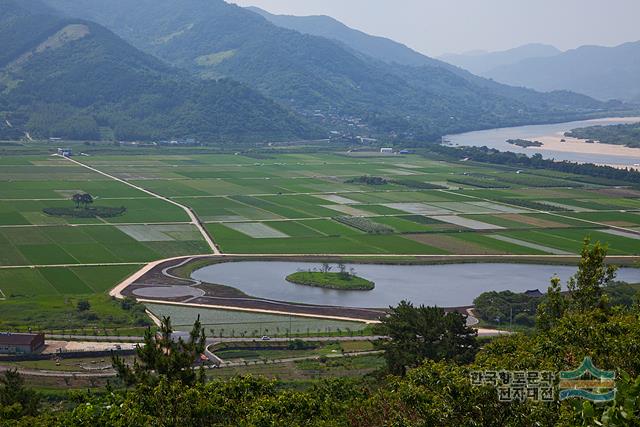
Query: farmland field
[
  {"x": 288, "y": 203},
  {"x": 304, "y": 204}
]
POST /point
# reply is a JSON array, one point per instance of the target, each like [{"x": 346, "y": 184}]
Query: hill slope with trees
[
  {"x": 322, "y": 77},
  {"x": 66, "y": 77}
]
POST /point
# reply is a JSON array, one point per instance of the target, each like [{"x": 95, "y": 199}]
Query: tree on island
[
  {"x": 325, "y": 267},
  {"x": 344, "y": 274}
]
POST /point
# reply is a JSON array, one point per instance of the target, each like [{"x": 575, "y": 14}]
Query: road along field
[{"x": 288, "y": 204}]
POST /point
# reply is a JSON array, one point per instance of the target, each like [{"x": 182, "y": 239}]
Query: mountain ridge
[
  {"x": 598, "y": 71},
  {"x": 319, "y": 77},
  {"x": 482, "y": 62},
  {"x": 73, "y": 78}
]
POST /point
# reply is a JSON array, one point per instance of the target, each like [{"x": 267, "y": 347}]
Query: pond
[
  {"x": 448, "y": 285},
  {"x": 552, "y": 136}
]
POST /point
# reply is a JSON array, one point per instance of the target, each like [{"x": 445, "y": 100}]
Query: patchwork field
[
  {"x": 302, "y": 204},
  {"x": 294, "y": 204}
]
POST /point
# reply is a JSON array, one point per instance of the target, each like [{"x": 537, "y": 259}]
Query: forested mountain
[
  {"x": 71, "y": 78},
  {"x": 318, "y": 76},
  {"x": 601, "y": 72},
  {"x": 380, "y": 48},
  {"x": 482, "y": 62}
]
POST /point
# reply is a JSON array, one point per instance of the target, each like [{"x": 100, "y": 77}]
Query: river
[
  {"x": 448, "y": 285},
  {"x": 551, "y": 136}
]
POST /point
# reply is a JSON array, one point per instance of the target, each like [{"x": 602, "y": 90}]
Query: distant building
[
  {"x": 406, "y": 152},
  {"x": 386, "y": 150},
  {"x": 12, "y": 343},
  {"x": 66, "y": 152},
  {"x": 535, "y": 293}
]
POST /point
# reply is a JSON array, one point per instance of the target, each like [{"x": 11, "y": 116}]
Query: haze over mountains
[
  {"x": 211, "y": 70},
  {"x": 600, "y": 72},
  {"x": 319, "y": 77},
  {"x": 482, "y": 63}
]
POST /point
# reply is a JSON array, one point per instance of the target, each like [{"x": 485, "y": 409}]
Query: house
[
  {"x": 66, "y": 152},
  {"x": 14, "y": 343},
  {"x": 534, "y": 293},
  {"x": 386, "y": 150}
]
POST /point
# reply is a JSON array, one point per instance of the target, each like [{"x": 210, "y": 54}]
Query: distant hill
[
  {"x": 380, "y": 48},
  {"x": 480, "y": 62},
  {"x": 321, "y": 77},
  {"x": 72, "y": 78},
  {"x": 601, "y": 72},
  {"x": 398, "y": 54}
]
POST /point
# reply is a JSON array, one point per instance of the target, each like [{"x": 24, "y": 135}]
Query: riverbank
[{"x": 551, "y": 135}]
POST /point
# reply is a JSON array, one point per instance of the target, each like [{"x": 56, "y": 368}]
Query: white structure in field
[{"x": 386, "y": 150}]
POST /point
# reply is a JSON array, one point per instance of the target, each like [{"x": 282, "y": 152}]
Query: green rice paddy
[{"x": 287, "y": 204}]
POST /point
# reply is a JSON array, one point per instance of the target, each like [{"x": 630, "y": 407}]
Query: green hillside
[
  {"x": 316, "y": 75},
  {"x": 71, "y": 78}
]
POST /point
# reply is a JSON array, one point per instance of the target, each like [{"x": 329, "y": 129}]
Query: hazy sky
[{"x": 438, "y": 26}]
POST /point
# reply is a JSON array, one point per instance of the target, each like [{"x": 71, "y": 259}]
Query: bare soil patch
[
  {"x": 536, "y": 222},
  {"x": 453, "y": 244}
]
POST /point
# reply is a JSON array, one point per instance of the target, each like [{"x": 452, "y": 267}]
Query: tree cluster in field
[
  {"x": 507, "y": 307},
  {"x": 365, "y": 224},
  {"x": 368, "y": 180},
  {"x": 625, "y": 134},
  {"x": 85, "y": 200}
]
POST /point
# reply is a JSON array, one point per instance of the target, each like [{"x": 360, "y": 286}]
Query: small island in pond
[
  {"x": 341, "y": 280},
  {"x": 524, "y": 143}
]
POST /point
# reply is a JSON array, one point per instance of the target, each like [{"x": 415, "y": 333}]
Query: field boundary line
[
  {"x": 194, "y": 219},
  {"x": 100, "y": 264}
]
